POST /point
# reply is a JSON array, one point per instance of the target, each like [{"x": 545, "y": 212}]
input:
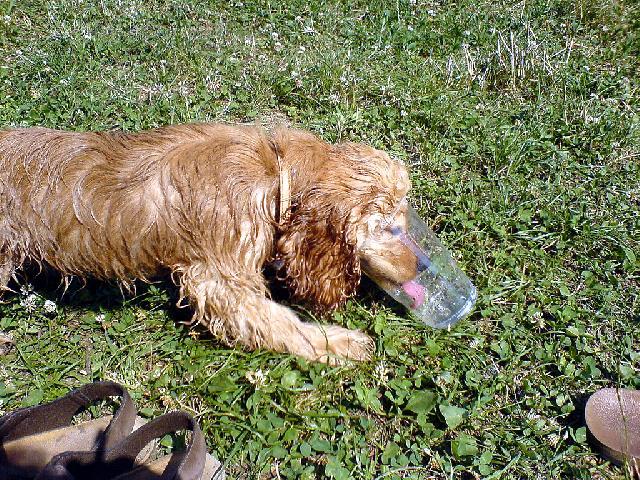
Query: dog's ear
[{"x": 317, "y": 251}]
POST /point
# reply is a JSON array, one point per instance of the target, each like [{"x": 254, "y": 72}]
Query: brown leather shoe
[
  {"x": 613, "y": 418},
  {"x": 121, "y": 462},
  {"x": 31, "y": 437}
]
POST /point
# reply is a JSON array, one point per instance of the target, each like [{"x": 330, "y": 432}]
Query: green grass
[{"x": 521, "y": 122}]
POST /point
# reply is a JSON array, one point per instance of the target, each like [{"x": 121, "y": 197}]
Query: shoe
[
  {"x": 613, "y": 418},
  {"x": 120, "y": 462},
  {"x": 31, "y": 437}
]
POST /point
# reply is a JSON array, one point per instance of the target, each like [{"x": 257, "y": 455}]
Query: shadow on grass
[
  {"x": 161, "y": 293},
  {"x": 98, "y": 295}
]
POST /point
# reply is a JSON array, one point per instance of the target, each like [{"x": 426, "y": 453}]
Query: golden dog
[{"x": 211, "y": 204}]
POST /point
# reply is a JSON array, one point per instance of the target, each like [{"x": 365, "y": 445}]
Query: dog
[{"x": 212, "y": 205}]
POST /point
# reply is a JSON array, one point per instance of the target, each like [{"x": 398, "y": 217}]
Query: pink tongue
[{"x": 415, "y": 291}]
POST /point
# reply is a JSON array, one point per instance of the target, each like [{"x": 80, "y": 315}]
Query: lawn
[{"x": 521, "y": 124}]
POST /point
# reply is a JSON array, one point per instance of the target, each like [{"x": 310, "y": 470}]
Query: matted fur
[{"x": 199, "y": 202}]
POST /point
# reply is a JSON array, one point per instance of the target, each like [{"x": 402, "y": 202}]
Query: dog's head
[{"x": 343, "y": 220}]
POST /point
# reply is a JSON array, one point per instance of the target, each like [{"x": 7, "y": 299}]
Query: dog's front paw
[{"x": 343, "y": 344}]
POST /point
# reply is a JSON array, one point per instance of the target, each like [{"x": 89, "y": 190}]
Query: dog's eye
[{"x": 395, "y": 231}]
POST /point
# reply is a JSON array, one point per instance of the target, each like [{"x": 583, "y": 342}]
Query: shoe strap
[
  {"x": 60, "y": 412},
  {"x": 120, "y": 460},
  {"x": 192, "y": 464}
]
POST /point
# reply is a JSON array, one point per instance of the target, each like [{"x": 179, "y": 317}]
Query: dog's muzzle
[{"x": 440, "y": 294}]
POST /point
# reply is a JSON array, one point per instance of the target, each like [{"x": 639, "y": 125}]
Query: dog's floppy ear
[{"x": 317, "y": 251}]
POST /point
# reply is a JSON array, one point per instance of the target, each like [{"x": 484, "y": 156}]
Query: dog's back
[{"x": 115, "y": 205}]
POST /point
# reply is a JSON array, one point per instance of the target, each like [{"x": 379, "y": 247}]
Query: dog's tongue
[{"x": 415, "y": 291}]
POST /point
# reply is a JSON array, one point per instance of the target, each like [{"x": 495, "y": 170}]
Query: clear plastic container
[{"x": 440, "y": 294}]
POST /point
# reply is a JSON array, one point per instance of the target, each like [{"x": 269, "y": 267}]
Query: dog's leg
[
  {"x": 276, "y": 327},
  {"x": 241, "y": 313}
]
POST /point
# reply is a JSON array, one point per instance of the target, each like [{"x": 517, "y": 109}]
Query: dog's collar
[{"x": 285, "y": 191}]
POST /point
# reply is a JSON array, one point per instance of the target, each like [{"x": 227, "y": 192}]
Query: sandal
[
  {"x": 613, "y": 418},
  {"x": 120, "y": 463},
  {"x": 31, "y": 437}
]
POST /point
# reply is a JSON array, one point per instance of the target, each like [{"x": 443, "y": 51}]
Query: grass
[{"x": 521, "y": 122}]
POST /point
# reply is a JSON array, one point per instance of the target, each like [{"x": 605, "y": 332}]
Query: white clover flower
[
  {"x": 380, "y": 371},
  {"x": 30, "y": 302},
  {"x": 257, "y": 378},
  {"x": 100, "y": 317},
  {"x": 50, "y": 306},
  {"x": 532, "y": 415},
  {"x": 26, "y": 289}
]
